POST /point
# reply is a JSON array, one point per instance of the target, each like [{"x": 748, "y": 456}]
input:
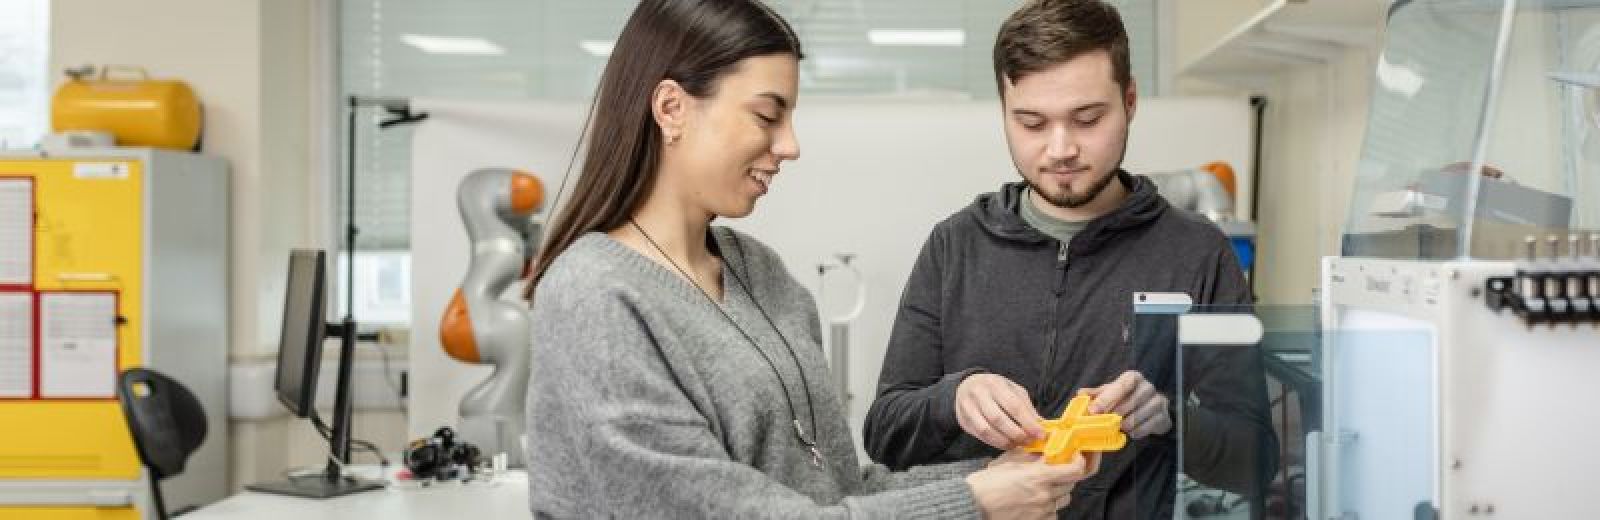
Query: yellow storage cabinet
[{"x": 148, "y": 229}]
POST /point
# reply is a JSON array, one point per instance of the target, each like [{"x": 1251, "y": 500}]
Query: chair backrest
[{"x": 166, "y": 420}]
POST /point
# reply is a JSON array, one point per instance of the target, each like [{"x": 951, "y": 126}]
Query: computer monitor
[
  {"x": 299, "y": 358},
  {"x": 300, "y": 342}
]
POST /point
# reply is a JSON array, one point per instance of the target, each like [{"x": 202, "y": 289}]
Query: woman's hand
[{"x": 1021, "y": 485}]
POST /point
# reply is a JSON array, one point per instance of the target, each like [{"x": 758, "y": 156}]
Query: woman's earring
[{"x": 672, "y": 139}]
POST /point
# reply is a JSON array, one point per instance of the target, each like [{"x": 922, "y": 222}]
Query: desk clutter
[{"x": 440, "y": 457}]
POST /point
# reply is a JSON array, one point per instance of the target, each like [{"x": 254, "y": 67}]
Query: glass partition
[
  {"x": 1484, "y": 130},
  {"x": 1280, "y": 418}
]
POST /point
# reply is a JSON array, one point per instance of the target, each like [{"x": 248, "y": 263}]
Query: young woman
[{"x": 677, "y": 370}]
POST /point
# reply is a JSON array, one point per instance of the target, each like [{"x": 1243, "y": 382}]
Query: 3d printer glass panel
[
  {"x": 1473, "y": 146},
  {"x": 1352, "y": 412}
]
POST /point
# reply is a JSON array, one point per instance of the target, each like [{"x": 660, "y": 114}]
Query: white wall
[
  {"x": 1315, "y": 121},
  {"x": 1173, "y": 133},
  {"x": 251, "y": 64}
]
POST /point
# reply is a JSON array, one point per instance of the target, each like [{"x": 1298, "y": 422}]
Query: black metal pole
[
  {"x": 346, "y": 329},
  {"x": 340, "y": 437},
  {"x": 1259, "y": 106},
  {"x": 350, "y": 229},
  {"x": 341, "y": 401}
]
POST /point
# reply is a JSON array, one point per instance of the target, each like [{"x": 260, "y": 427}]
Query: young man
[{"x": 1024, "y": 299}]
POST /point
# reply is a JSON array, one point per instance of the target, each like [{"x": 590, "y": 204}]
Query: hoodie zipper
[{"x": 1062, "y": 261}]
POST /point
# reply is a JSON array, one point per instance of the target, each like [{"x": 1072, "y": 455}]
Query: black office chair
[{"x": 167, "y": 423}]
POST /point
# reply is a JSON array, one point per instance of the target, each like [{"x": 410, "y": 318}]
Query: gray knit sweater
[{"x": 645, "y": 402}]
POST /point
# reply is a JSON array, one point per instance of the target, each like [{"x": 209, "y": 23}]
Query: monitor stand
[
  {"x": 331, "y": 482},
  {"x": 317, "y": 486}
]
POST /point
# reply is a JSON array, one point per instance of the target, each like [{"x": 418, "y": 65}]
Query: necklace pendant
[{"x": 800, "y": 432}]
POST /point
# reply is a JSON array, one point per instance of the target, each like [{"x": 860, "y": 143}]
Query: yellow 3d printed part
[{"x": 1077, "y": 431}]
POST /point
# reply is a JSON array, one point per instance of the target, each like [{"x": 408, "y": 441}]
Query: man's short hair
[{"x": 1045, "y": 33}]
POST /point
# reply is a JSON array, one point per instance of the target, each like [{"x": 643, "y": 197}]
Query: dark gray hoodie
[{"x": 989, "y": 293}]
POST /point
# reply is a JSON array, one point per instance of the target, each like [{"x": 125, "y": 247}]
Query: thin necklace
[{"x": 794, "y": 415}]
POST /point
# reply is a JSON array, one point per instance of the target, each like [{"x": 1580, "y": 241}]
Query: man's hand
[
  {"x": 997, "y": 411},
  {"x": 1144, "y": 411}
]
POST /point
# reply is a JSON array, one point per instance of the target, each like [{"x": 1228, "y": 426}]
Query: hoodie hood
[{"x": 997, "y": 214}]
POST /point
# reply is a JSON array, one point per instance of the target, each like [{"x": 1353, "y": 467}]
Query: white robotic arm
[
  {"x": 481, "y": 325},
  {"x": 1201, "y": 190}
]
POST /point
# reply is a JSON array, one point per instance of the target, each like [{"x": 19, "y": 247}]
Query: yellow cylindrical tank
[{"x": 139, "y": 111}]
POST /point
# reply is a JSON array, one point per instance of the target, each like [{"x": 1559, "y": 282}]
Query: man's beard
[{"x": 1071, "y": 199}]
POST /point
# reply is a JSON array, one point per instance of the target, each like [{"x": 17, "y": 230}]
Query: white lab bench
[{"x": 506, "y": 496}]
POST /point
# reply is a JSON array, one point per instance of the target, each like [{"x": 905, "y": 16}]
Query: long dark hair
[{"x": 693, "y": 42}]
